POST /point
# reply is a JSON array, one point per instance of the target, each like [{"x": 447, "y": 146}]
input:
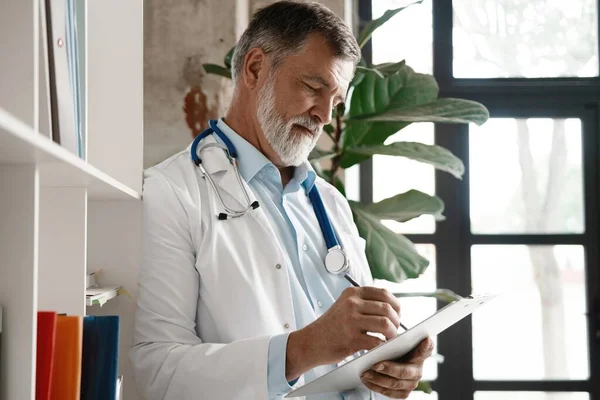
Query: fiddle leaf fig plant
[{"x": 382, "y": 100}]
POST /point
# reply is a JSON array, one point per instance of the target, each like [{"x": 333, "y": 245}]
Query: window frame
[{"x": 508, "y": 98}]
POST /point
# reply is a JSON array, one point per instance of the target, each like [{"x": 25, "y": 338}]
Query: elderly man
[{"x": 235, "y": 298}]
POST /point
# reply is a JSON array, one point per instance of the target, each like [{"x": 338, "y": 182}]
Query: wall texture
[{"x": 180, "y": 35}]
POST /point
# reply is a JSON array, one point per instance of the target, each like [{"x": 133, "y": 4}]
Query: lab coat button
[
  {"x": 320, "y": 303},
  {"x": 304, "y": 247},
  {"x": 278, "y": 266},
  {"x": 286, "y": 326}
]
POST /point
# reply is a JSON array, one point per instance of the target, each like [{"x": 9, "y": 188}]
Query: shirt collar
[{"x": 251, "y": 161}]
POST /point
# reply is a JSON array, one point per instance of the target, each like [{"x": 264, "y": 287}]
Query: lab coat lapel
[
  {"x": 227, "y": 182},
  {"x": 223, "y": 173}
]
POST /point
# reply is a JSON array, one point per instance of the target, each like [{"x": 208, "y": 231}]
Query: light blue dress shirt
[{"x": 292, "y": 217}]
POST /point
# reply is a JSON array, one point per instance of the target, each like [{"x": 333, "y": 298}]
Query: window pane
[
  {"x": 416, "y": 309},
  {"x": 395, "y": 175},
  {"x": 531, "y": 396},
  {"x": 407, "y": 36},
  {"x": 537, "y": 329},
  {"x": 525, "y": 38},
  {"x": 526, "y": 176}
]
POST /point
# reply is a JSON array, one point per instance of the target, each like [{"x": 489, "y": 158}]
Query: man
[{"x": 244, "y": 308}]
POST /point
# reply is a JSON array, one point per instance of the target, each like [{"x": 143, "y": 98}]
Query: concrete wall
[{"x": 180, "y": 35}]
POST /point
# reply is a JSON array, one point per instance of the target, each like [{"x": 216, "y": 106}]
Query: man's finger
[
  {"x": 379, "y": 294},
  {"x": 392, "y": 394},
  {"x": 373, "y": 307},
  {"x": 394, "y": 383},
  {"x": 399, "y": 371},
  {"x": 422, "y": 352},
  {"x": 377, "y": 324}
]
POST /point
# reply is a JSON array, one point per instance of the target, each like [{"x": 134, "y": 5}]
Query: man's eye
[{"x": 312, "y": 89}]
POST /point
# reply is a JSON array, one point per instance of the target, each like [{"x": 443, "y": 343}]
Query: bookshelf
[{"x": 61, "y": 215}]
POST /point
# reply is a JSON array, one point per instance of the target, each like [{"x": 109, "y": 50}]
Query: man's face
[{"x": 297, "y": 99}]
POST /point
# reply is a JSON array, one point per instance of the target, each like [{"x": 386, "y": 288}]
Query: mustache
[{"x": 307, "y": 123}]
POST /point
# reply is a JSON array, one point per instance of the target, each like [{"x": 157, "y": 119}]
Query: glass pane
[
  {"x": 395, "y": 175},
  {"x": 352, "y": 182},
  {"x": 526, "y": 176},
  {"x": 540, "y": 318},
  {"x": 525, "y": 38},
  {"x": 390, "y": 42},
  {"x": 531, "y": 396},
  {"x": 415, "y": 309}
]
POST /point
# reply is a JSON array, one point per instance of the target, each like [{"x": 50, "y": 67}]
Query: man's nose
[{"x": 323, "y": 111}]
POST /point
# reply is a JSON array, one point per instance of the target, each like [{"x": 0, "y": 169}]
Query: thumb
[{"x": 422, "y": 352}]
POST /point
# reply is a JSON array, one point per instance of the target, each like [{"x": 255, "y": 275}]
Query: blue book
[{"x": 100, "y": 358}]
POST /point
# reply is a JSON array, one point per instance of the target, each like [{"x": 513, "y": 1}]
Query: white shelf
[{"x": 21, "y": 144}]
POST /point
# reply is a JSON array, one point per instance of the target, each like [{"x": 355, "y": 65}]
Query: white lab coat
[{"x": 211, "y": 293}]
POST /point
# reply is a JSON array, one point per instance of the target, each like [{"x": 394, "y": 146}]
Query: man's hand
[
  {"x": 398, "y": 379},
  {"x": 342, "y": 330}
]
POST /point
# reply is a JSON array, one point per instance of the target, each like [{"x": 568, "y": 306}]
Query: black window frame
[{"x": 514, "y": 98}]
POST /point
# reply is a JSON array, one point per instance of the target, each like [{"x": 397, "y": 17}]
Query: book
[
  {"x": 100, "y": 294},
  {"x": 63, "y": 80},
  {"x": 66, "y": 366},
  {"x": 99, "y": 368},
  {"x": 46, "y": 339}
]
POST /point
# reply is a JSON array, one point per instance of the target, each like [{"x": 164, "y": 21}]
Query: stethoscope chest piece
[{"x": 336, "y": 261}]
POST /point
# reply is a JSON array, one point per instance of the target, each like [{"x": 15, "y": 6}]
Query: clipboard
[{"x": 347, "y": 377}]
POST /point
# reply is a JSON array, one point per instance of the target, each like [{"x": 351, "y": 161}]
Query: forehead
[{"x": 317, "y": 58}]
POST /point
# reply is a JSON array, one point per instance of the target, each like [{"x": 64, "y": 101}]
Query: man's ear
[{"x": 255, "y": 63}]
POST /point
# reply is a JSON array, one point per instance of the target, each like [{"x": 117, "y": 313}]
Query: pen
[{"x": 353, "y": 282}]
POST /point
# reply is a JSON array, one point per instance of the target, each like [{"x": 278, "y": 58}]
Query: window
[{"x": 524, "y": 218}]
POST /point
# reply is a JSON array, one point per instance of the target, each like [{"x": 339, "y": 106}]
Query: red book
[{"x": 46, "y": 336}]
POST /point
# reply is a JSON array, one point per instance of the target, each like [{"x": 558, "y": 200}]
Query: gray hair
[{"x": 282, "y": 29}]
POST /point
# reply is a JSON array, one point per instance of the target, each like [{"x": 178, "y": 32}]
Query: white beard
[{"x": 293, "y": 149}]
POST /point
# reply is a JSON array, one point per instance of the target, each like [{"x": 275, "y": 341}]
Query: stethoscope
[{"x": 336, "y": 260}]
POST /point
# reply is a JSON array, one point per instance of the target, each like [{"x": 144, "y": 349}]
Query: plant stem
[{"x": 337, "y": 135}]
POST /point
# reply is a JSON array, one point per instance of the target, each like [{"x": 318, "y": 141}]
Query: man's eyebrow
[
  {"x": 323, "y": 81},
  {"x": 318, "y": 79}
]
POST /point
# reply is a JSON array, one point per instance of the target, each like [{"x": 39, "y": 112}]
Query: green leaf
[
  {"x": 437, "y": 156},
  {"x": 318, "y": 154},
  {"x": 424, "y": 386},
  {"x": 375, "y": 95},
  {"x": 445, "y": 295},
  {"x": 391, "y": 256},
  {"x": 370, "y": 70},
  {"x": 406, "y": 206},
  {"x": 217, "y": 70},
  {"x": 371, "y": 26},
  {"x": 447, "y": 110},
  {"x": 228, "y": 58},
  {"x": 358, "y": 75},
  {"x": 390, "y": 68}
]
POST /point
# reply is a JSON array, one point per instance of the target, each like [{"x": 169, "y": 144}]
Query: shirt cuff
[{"x": 276, "y": 381}]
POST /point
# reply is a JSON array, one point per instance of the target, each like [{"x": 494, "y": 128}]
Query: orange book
[
  {"x": 66, "y": 369},
  {"x": 46, "y": 334}
]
